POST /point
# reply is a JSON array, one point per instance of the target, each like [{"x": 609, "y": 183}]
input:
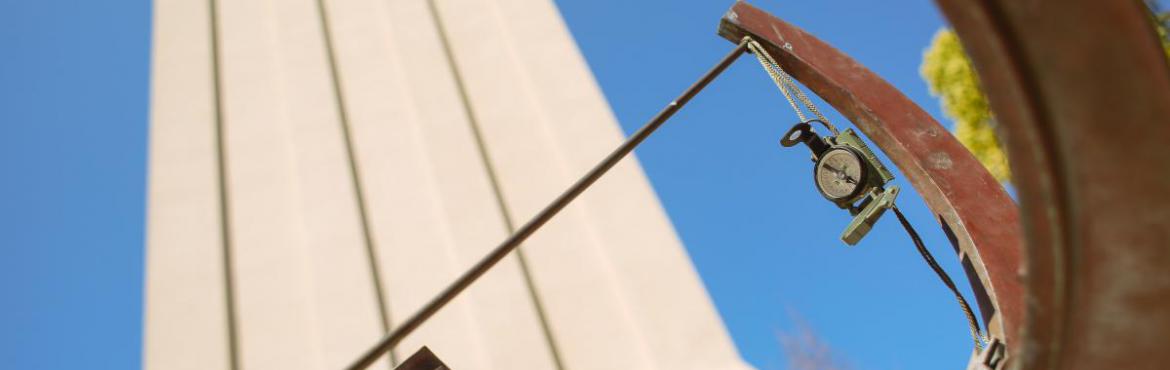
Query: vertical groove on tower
[
  {"x": 224, "y": 212},
  {"x": 495, "y": 183},
  {"x": 384, "y": 313}
]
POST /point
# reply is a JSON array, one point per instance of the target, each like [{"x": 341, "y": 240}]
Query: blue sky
[
  {"x": 73, "y": 98},
  {"x": 74, "y": 83},
  {"x": 763, "y": 240}
]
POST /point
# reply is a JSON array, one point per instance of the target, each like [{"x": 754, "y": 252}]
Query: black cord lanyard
[{"x": 976, "y": 333}]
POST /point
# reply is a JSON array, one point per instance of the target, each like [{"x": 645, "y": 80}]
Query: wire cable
[{"x": 786, "y": 85}]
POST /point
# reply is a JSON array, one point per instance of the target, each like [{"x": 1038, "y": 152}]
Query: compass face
[{"x": 840, "y": 174}]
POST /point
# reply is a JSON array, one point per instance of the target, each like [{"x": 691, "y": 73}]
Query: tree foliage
[{"x": 948, "y": 71}]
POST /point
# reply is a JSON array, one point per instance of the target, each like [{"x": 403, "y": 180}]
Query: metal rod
[{"x": 390, "y": 340}]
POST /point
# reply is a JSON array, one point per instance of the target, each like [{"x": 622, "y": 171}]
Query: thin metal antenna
[{"x": 390, "y": 340}]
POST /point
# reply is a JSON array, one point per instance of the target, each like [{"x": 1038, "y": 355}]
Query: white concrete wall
[{"x": 321, "y": 168}]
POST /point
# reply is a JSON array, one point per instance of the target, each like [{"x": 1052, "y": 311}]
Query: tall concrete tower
[{"x": 321, "y": 168}]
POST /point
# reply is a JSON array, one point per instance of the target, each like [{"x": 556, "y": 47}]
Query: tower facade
[{"x": 319, "y": 169}]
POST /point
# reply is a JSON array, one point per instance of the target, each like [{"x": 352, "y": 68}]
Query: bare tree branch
[{"x": 805, "y": 350}]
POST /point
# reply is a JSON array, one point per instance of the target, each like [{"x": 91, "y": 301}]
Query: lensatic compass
[{"x": 847, "y": 173}]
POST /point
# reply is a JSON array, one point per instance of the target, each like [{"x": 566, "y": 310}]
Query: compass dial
[{"x": 840, "y": 174}]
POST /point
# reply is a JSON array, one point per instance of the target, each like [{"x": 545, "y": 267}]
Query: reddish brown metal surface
[
  {"x": 423, "y": 359},
  {"x": 1081, "y": 90},
  {"x": 969, "y": 203}
]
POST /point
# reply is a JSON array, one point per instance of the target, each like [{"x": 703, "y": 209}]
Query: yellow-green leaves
[
  {"x": 951, "y": 77},
  {"x": 1160, "y": 24}
]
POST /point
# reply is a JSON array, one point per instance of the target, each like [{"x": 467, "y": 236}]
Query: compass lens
[{"x": 839, "y": 174}]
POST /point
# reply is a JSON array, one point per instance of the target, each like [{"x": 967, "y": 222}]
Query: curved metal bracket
[{"x": 978, "y": 215}]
